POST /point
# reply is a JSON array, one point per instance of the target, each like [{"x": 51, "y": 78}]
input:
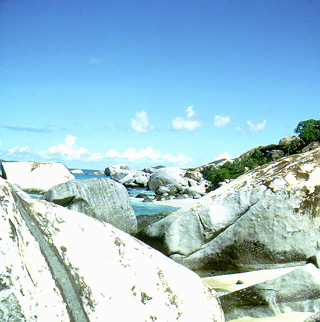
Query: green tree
[{"x": 308, "y": 130}]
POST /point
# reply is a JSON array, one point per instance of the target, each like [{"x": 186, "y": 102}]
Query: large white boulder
[
  {"x": 36, "y": 177},
  {"x": 100, "y": 198},
  {"x": 269, "y": 216},
  {"x": 166, "y": 176},
  {"x": 61, "y": 265}
]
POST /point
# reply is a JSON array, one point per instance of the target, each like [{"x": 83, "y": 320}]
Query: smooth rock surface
[
  {"x": 101, "y": 198},
  {"x": 296, "y": 291},
  {"x": 61, "y": 265},
  {"x": 267, "y": 217},
  {"x": 36, "y": 177},
  {"x": 166, "y": 176}
]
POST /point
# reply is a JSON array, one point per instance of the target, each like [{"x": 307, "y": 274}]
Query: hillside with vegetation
[{"x": 308, "y": 138}]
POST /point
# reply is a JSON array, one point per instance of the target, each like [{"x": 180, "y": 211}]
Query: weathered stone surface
[
  {"x": 36, "y": 177},
  {"x": 288, "y": 140},
  {"x": 195, "y": 175},
  {"x": 133, "y": 178},
  {"x": 297, "y": 291},
  {"x": 267, "y": 217},
  {"x": 165, "y": 176},
  {"x": 61, "y": 265},
  {"x": 115, "y": 168},
  {"x": 127, "y": 177},
  {"x": 311, "y": 146},
  {"x": 101, "y": 198}
]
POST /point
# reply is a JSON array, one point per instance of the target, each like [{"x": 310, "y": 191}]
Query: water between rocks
[{"x": 139, "y": 207}]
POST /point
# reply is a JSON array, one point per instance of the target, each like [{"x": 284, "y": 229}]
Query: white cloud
[
  {"x": 24, "y": 149},
  {"x": 0, "y": 143},
  {"x": 141, "y": 123},
  {"x": 220, "y": 121},
  {"x": 132, "y": 154},
  {"x": 183, "y": 124},
  {"x": 13, "y": 150},
  {"x": 190, "y": 112},
  {"x": 68, "y": 150},
  {"x": 253, "y": 128},
  {"x": 224, "y": 155},
  {"x": 186, "y": 124},
  {"x": 17, "y": 149}
]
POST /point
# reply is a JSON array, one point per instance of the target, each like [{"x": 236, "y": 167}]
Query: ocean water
[{"x": 139, "y": 207}]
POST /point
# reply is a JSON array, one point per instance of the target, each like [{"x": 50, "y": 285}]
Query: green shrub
[
  {"x": 292, "y": 147},
  {"x": 308, "y": 131},
  {"x": 232, "y": 170}
]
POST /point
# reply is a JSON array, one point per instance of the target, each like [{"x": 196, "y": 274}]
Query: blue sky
[{"x": 95, "y": 83}]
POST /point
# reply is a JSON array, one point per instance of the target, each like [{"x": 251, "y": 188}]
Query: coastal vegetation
[{"x": 308, "y": 131}]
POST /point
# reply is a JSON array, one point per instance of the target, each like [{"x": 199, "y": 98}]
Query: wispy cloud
[
  {"x": 253, "y": 128},
  {"x": 95, "y": 61},
  {"x": 132, "y": 154},
  {"x": 241, "y": 130},
  {"x": 220, "y": 121},
  {"x": 17, "y": 149},
  {"x": 141, "y": 123},
  {"x": 188, "y": 123},
  {"x": 27, "y": 129}
]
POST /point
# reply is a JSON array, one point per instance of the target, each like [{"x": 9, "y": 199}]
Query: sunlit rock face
[
  {"x": 165, "y": 176},
  {"x": 268, "y": 216},
  {"x": 36, "y": 177},
  {"x": 61, "y": 265},
  {"x": 99, "y": 198}
]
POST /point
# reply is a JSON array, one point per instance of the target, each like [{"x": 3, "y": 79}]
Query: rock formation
[
  {"x": 35, "y": 177},
  {"x": 297, "y": 291},
  {"x": 269, "y": 216},
  {"x": 100, "y": 198},
  {"x": 61, "y": 265}
]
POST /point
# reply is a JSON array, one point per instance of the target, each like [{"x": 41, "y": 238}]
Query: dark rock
[
  {"x": 273, "y": 155},
  {"x": 147, "y": 199},
  {"x": 296, "y": 291}
]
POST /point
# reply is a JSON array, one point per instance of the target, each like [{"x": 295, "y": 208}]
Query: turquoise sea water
[{"x": 139, "y": 207}]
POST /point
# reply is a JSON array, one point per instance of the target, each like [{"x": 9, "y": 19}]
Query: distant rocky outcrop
[
  {"x": 61, "y": 265},
  {"x": 127, "y": 177},
  {"x": 100, "y": 198},
  {"x": 176, "y": 182},
  {"x": 166, "y": 182},
  {"x": 269, "y": 216},
  {"x": 35, "y": 177},
  {"x": 76, "y": 171}
]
